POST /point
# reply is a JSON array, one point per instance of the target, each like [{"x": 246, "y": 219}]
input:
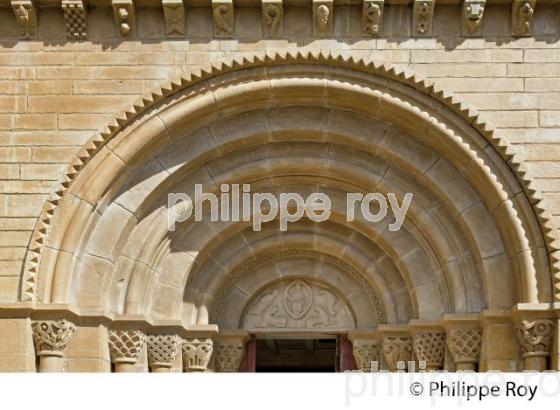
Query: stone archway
[{"x": 475, "y": 240}]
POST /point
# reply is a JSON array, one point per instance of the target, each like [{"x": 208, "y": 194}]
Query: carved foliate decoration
[
  {"x": 273, "y": 17},
  {"x": 535, "y": 336},
  {"x": 174, "y": 16},
  {"x": 473, "y": 11},
  {"x": 322, "y": 17},
  {"x": 162, "y": 349},
  {"x": 522, "y": 16},
  {"x": 52, "y": 336},
  {"x": 429, "y": 347},
  {"x": 422, "y": 17},
  {"x": 75, "y": 19},
  {"x": 222, "y": 12},
  {"x": 125, "y": 19},
  {"x": 365, "y": 352},
  {"x": 372, "y": 17},
  {"x": 126, "y": 345},
  {"x": 26, "y": 17},
  {"x": 397, "y": 351},
  {"x": 464, "y": 344},
  {"x": 228, "y": 355},
  {"x": 196, "y": 354},
  {"x": 298, "y": 304}
]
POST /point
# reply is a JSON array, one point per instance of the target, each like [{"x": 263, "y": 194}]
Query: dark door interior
[{"x": 296, "y": 355}]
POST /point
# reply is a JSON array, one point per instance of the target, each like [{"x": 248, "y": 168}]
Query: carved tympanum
[
  {"x": 429, "y": 347},
  {"x": 535, "y": 336},
  {"x": 372, "y": 17},
  {"x": 196, "y": 354},
  {"x": 298, "y": 304},
  {"x": 125, "y": 346},
  {"x": 397, "y": 351},
  {"x": 52, "y": 336}
]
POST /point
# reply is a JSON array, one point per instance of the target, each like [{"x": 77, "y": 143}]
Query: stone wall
[{"x": 55, "y": 92}]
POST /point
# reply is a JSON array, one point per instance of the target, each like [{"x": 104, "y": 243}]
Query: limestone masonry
[{"x": 108, "y": 106}]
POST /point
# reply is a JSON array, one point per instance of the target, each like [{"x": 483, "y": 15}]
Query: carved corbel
[
  {"x": 123, "y": 10},
  {"x": 535, "y": 338},
  {"x": 473, "y": 11},
  {"x": 50, "y": 338},
  {"x": 162, "y": 351},
  {"x": 174, "y": 16},
  {"x": 125, "y": 347},
  {"x": 26, "y": 17},
  {"x": 196, "y": 354},
  {"x": 522, "y": 16},
  {"x": 75, "y": 15},
  {"x": 273, "y": 17},
  {"x": 322, "y": 18},
  {"x": 422, "y": 17},
  {"x": 222, "y": 12},
  {"x": 372, "y": 17}
]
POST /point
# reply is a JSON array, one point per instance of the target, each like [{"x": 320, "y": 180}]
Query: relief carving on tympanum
[{"x": 298, "y": 304}]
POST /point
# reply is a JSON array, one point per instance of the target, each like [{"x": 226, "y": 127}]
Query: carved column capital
[
  {"x": 52, "y": 336},
  {"x": 196, "y": 354},
  {"x": 464, "y": 344},
  {"x": 365, "y": 352},
  {"x": 162, "y": 351},
  {"x": 125, "y": 346},
  {"x": 228, "y": 354},
  {"x": 397, "y": 350},
  {"x": 429, "y": 347},
  {"x": 535, "y": 336}
]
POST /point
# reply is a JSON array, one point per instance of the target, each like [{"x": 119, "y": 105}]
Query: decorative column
[
  {"x": 535, "y": 337},
  {"x": 464, "y": 340},
  {"x": 366, "y": 350},
  {"x": 229, "y": 350},
  {"x": 125, "y": 347},
  {"x": 396, "y": 347},
  {"x": 428, "y": 343},
  {"x": 196, "y": 354},
  {"x": 162, "y": 351},
  {"x": 51, "y": 337}
]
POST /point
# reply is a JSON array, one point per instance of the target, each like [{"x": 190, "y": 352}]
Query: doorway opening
[{"x": 296, "y": 355}]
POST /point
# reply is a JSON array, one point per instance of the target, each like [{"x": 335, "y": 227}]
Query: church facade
[{"x": 110, "y": 107}]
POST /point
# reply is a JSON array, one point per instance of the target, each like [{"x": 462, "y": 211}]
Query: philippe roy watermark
[{"x": 237, "y": 203}]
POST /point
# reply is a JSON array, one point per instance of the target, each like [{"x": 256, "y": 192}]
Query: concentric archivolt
[{"x": 439, "y": 100}]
